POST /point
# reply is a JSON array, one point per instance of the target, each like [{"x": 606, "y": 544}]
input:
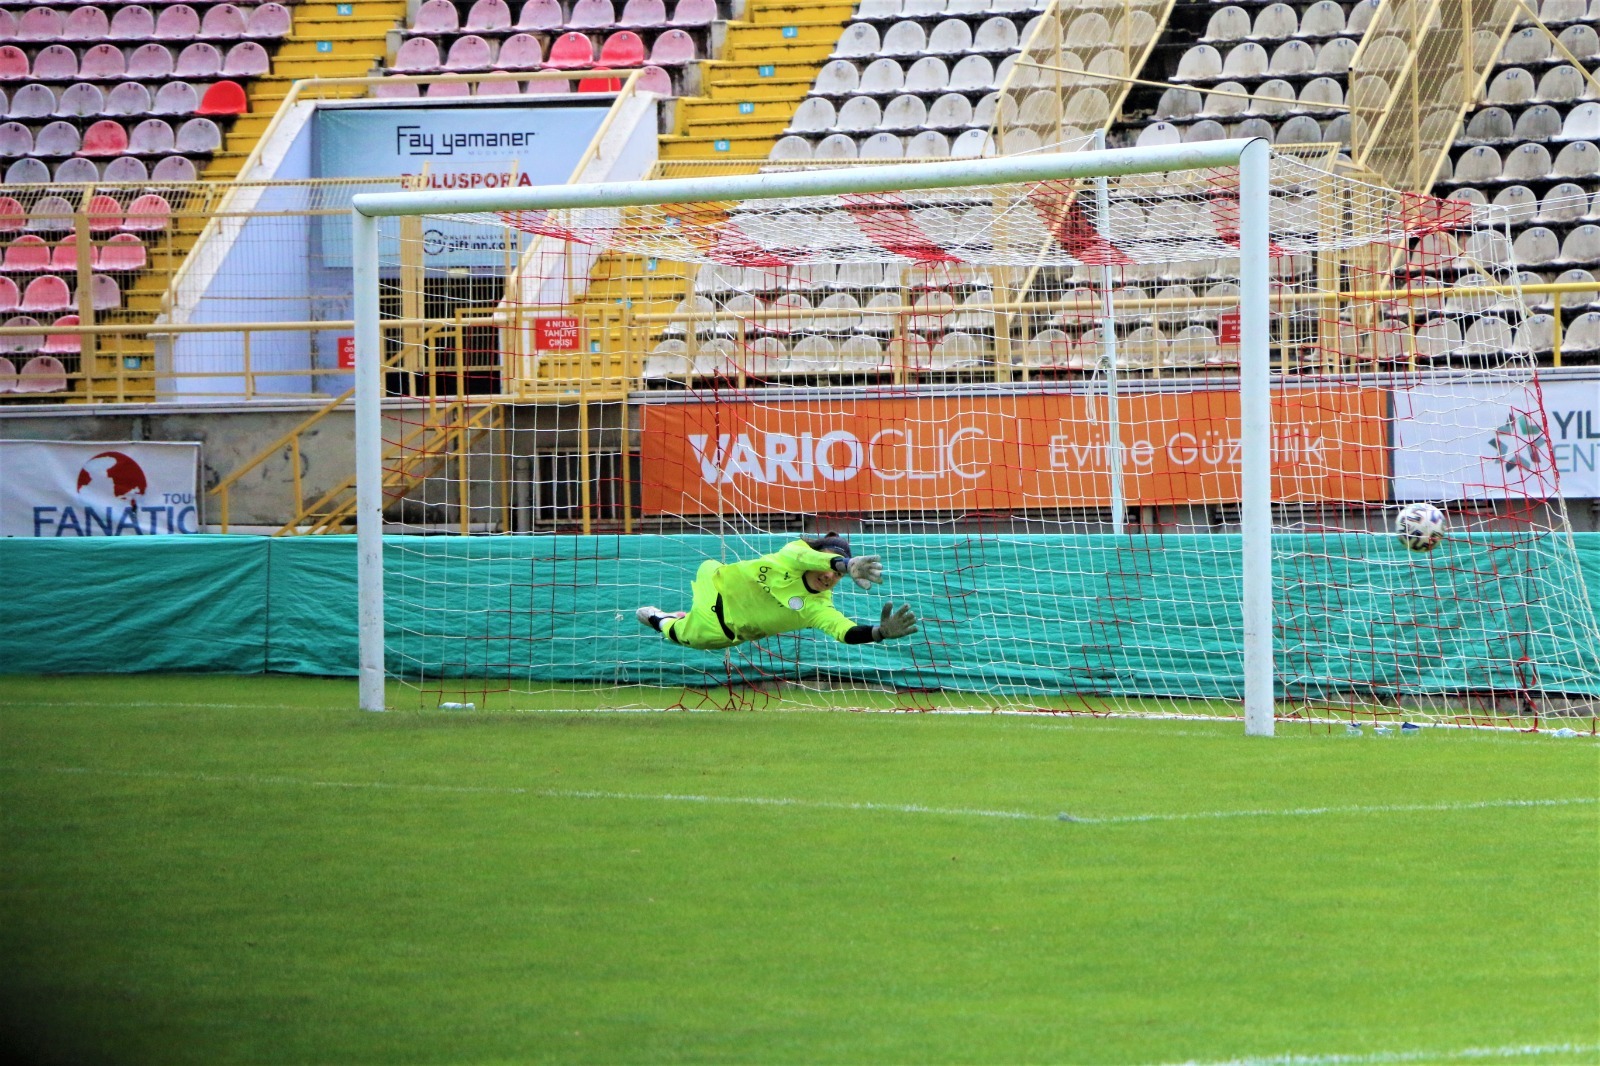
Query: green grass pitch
[{"x": 219, "y": 869}]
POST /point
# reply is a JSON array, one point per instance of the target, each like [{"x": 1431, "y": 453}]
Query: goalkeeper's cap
[{"x": 831, "y": 542}]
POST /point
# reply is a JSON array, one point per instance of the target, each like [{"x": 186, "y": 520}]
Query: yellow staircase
[{"x": 768, "y": 63}]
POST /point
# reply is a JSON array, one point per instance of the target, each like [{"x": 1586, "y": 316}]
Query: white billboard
[
  {"x": 98, "y": 488},
  {"x": 1456, "y": 440}
]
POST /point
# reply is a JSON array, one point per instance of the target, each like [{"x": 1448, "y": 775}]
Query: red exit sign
[{"x": 557, "y": 334}]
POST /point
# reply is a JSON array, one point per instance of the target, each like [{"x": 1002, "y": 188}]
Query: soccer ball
[{"x": 1420, "y": 526}]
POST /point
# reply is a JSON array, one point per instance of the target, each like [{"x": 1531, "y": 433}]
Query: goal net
[{"x": 1024, "y": 397}]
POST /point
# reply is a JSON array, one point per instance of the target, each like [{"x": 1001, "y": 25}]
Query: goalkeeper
[{"x": 790, "y": 589}]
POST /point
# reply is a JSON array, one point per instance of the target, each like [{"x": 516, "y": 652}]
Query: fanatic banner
[
  {"x": 98, "y": 489},
  {"x": 1001, "y": 452},
  {"x": 1459, "y": 441}
]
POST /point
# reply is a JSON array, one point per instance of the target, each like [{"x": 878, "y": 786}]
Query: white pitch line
[
  {"x": 1381, "y": 1057},
  {"x": 780, "y": 801}
]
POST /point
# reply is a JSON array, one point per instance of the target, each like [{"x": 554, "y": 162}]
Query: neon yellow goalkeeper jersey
[{"x": 766, "y": 596}]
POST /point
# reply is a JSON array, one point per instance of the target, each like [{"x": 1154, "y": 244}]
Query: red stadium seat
[
  {"x": 674, "y": 48},
  {"x": 599, "y": 85},
  {"x": 42, "y": 373},
  {"x": 223, "y": 22},
  {"x": 133, "y": 22},
  {"x": 40, "y": 24},
  {"x": 105, "y": 139},
  {"x": 124, "y": 252},
  {"x": 449, "y": 90},
  {"x": 151, "y": 62},
  {"x": 64, "y": 256},
  {"x": 12, "y": 216},
  {"x": 57, "y": 139},
  {"x": 8, "y": 375},
  {"x": 247, "y": 59},
  {"x": 46, "y": 295},
  {"x": 224, "y": 98},
  {"x": 8, "y": 25},
  {"x": 592, "y": 15},
  {"x": 150, "y": 213},
  {"x": 14, "y": 63},
  {"x": 488, "y": 16},
  {"x": 63, "y": 343},
  {"x": 105, "y": 214},
  {"x": 521, "y": 51},
  {"x": 268, "y": 22},
  {"x": 541, "y": 16},
  {"x": 178, "y": 22},
  {"x": 103, "y": 62},
  {"x": 10, "y": 295},
  {"x": 643, "y": 15},
  {"x": 622, "y": 49},
  {"x": 153, "y": 136},
  {"x": 55, "y": 62},
  {"x": 199, "y": 60},
  {"x": 571, "y": 51},
  {"x": 86, "y": 23},
  {"x": 28, "y": 254},
  {"x": 175, "y": 98}
]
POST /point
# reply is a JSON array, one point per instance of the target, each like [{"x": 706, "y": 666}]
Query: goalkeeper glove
[
  {"x": 895, "y": 623},
  {"x": 865, "y": 570}
]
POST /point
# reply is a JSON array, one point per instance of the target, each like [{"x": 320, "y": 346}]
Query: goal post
[
  {"x": 1132, "y": 428},
  {"x": 1250, "y": 156}
]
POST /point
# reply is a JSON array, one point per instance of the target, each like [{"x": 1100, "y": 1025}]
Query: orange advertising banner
[{"x": 1002, "y": 452}]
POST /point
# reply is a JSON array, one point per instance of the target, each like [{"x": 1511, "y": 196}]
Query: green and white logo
[{"x": 1519, "y": 443}]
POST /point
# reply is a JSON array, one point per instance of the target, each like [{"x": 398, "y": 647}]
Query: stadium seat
[
  {"x": 81, "y": 99},
  {"x": 520, "y": 51},
  {"x": 571, "y": 51},
  {"x": 105, "y": 139},
  {"x": 1582, "y": 41},
  {"x": 1335, "y": 56},
  {"x": 972, "y": 144},
  {"x": 592, "y": 15},
  {"x": 881, "y": 146},
  {"x": 1563, "y": 84},
  {"x": 133, "y": 22},
  {"x": 21, "y": 344},
  {"x": 153, "y": 136},
  {"x": 1488, "y": 336},
  {"x": 1526, "y": 162},
  {"x": 27, "y": 172},
  {"x": 904, "y": 39},
  {"x": 198, "y": 136},
  {"x": 435, "y": 18},
  {"x": 488, "y": 16},
  {"x": 674, "y": 48},
  {"x": 468, "y": 54},
  {"x": 76, "y": 171},
  {"x": 14, "y": 62},
  {"x": 929, "y": 74},
  {"x": 10, "y": 297},
  {"x": 929, "y": 144},
  {"x": 1582, "y": 123},
  {"x": 103, "y": 62},
  {"x": 540, "y": 16},
  {"x": 12, "y": 216},
  {"x": 599, "y": 85},
  {"x": 1580, "y": 160},
  {"x": 223, "y": 98},
  {"x": 1490, "y": 125},
  {"x": 859, "y": 114},
  {"x": 1529, "y": 46},
  {"x": 1231, "y": 23},
  {"x": 175, "y": 98},
  {"x": 448, "y": 90},
  {"x": 1200, "y": 63},
  {"x": 46, "y": 295},
  {"x": 815, "y": 114},
  {"x": 643, "y": 15},
  {"x": 1248, "y": 60},
  {"x": 268, "y": 22},
  {"x": 1511, "y": 87},
  {"x": 950, "y": 37},
  {"x": 104, "y": 293},
  {"x": 56, "y": 63},
  {"x": 84, "y": 23},
  {"x": 33, "y": 101},
  {"x": 417, "y": 55},
  {"x": 1575, "y": 276},
  {"x": 172, "y": 168},
  {"x": 149, "y": 213},
  {"x": 621, "y": 50},
  {"x": 1563, "y": 205},
  {"x": 180, "y": 22},
  {"x": 247, "y": 59},
  {"x": 63, "y": 343},
  {"x": 1538, "y": 123},
  {"x": 835, "y": 146},
  {"x": 688, "y": 14},
  {"x": 1581, "y": 245},
  {"x": 42, "y": 373},
  {"x": 151, "y": 62},
  {"x": 123, "y": 252},
  {"x": 498, "y": 87},
  {"x": 1536, "y": 247},
  {"x": 883, "y": 77},
  {"x": 56, "y": 139},
  {"x": 952, "y": 111},
  {"x": 840, "y": 77},
  {"x": 1583, "y": 336},
  {"x": 64, "y": 256},
  {"x": 790, "y": 148},
  {"x": 199, "y": 60},
  {"x": 859, "y": 41},
  {"x": 128, "y": 99},
  {"x": 27, "y": 254}
]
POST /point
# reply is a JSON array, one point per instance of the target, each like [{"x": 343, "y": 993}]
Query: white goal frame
[{"x": 1251, "y": 156}]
